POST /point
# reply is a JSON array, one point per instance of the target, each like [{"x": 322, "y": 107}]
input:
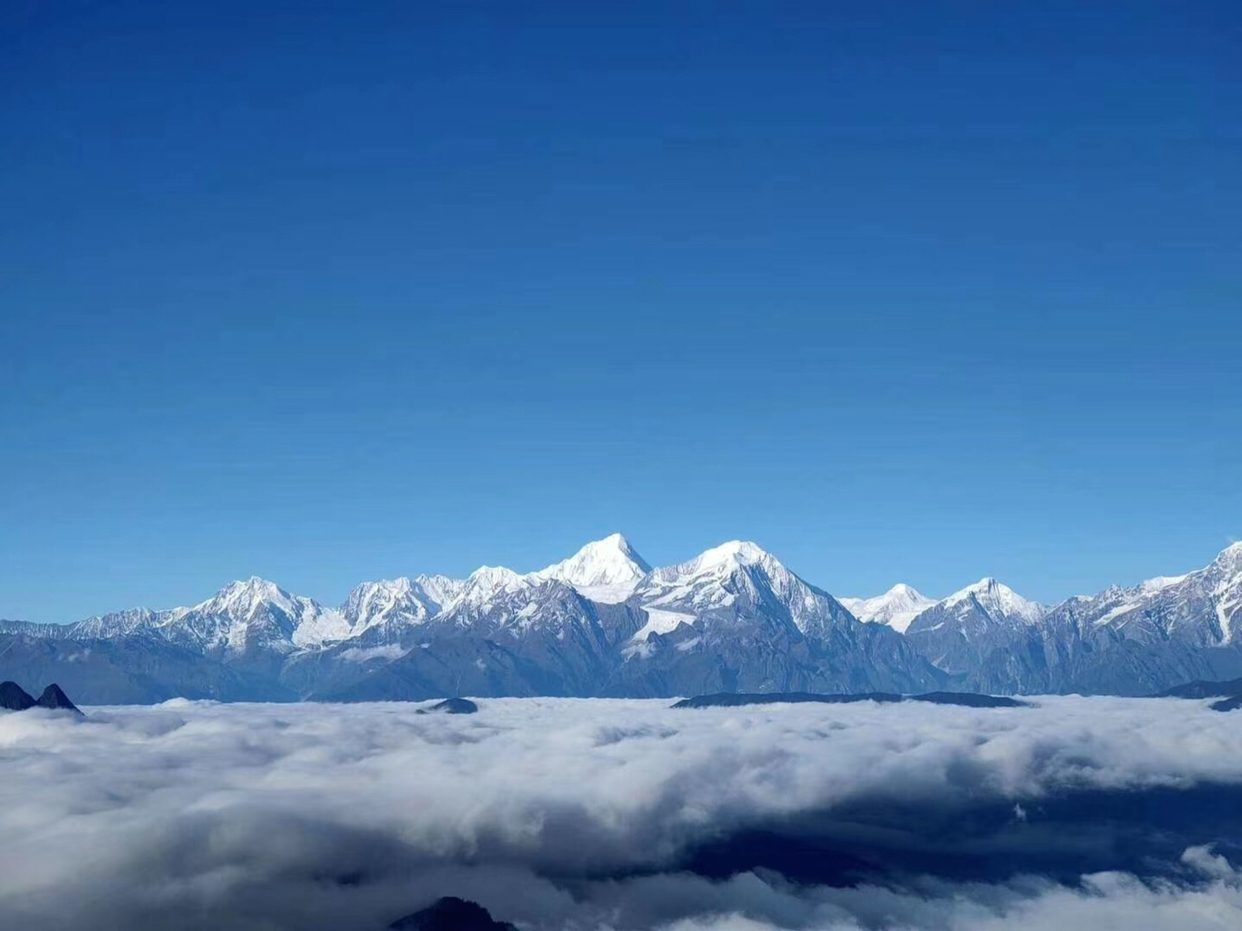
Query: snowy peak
[
  {"x": 610, "y": 561},
  {"x": 984, "y": 619},
  {"x": 491, "y": 577},
  {"x": 1203, "y": 607},
  {"x": 120, "y": 623},
  {"x": 389, "y": 589},
  {"x": 733, "y": 563},
  {"x": 1229, "y": 560},
  {"x": 402, "y": 602},
  {"x": 1160, "y": 583},
  {"x": 374, "y": 603},
  {"x": 606, "y": 570},
  {"x": 897, "y": 607},
  {"x": 487, "y": 582},
  {"x": 243, "y": 599},
  {"x": 713, "y": 568},
  {"x": 439, "y": 590},
  {"x": 735, "y": 583},
  {"x": 728, "y": 557},
  {"x": 251, "y": 612},
  {"x": 998, "y": 600},
  {"x": 742, "y": 552}
]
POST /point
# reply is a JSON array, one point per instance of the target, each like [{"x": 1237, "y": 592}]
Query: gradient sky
[{"x": 900, "y": 291}]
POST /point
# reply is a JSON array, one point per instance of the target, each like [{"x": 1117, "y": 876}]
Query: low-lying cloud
[{"x": 561, "y": 813}]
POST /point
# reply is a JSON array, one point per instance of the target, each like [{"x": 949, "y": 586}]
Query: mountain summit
[
  {"x": 610, "y": 561},
  {"x": 606, "y": 570},
  {"x": 998, "y": 600},
  {"x": 897, "y": 607}
]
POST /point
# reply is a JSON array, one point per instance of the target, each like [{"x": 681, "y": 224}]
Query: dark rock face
[
  {"x": 54, "y": 697},
  {"x": 1228, "y": 704},
  {"x": 736, "y": 699},
  {"x": 451, "y": 706},
  {"x": 451, "y": 914},
  {"x": 14, "y": 698}
]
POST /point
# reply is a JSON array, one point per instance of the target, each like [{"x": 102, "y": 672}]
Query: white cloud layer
[{"x": 559, "y": 813}]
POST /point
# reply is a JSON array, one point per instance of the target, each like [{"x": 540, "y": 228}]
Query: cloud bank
[{"x": 561, "y": 813}]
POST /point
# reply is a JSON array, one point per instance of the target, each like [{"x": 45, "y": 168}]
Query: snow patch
[
  {"x": 662, "y": 622},
  {"x": 363, "y": 654}
]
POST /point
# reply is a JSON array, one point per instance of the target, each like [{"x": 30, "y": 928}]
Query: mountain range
[{"x": 605, "y": 623}]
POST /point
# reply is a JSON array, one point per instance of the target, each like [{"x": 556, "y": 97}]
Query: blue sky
[{"x": 912, "y": 292}]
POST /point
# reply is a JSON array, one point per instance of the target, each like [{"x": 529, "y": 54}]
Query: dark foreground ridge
[
  {"x": 1202, "y": 688},
  {"x": 1229, "y": 691},
  {"x": 54, "y": 697},
  {"x": 736, "y": 699},
  {"x": 15, "y": 698},
  {"x": 451, "y": 914},
  {"x": 451, "y": 706}
]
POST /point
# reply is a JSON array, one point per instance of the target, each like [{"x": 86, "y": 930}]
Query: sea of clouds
[{"x": 1083, "y": 813}]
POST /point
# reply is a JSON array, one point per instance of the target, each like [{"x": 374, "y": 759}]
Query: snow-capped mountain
[
  {"x": 1131, "y": 641},
  {"x": 486, "y": 583},
  {"x": 29, "y": 629},
  {"x": 1134, "y": 640},
  {"x": 439, "y": 590},
  {"x": 398, "y": 603},
  {"x": 606, "y": 571},
  {"x": 255, "y": 614},
  {"x": 980, "y": 618},
  {"x": 603, "y": 622},
  {"x": 1203, "y": 606},
  {"x": 731, "y": 582},
  {"x": 999, "y": 601},
  {"x": 897, "y": 607},
  {"x": 121, "y": 623},
  {"x": 502, "y": 632},
  {"x": 495, "y": 598},
  {"x": 735, "y": 618}
]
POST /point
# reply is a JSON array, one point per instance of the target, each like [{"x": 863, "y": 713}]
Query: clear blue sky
[{"x": 901, "y": 291}]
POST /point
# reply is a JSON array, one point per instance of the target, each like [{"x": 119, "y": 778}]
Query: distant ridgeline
[
  {"x": 1229, "y": 693},
  {"x": 605, "y": 623}
]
